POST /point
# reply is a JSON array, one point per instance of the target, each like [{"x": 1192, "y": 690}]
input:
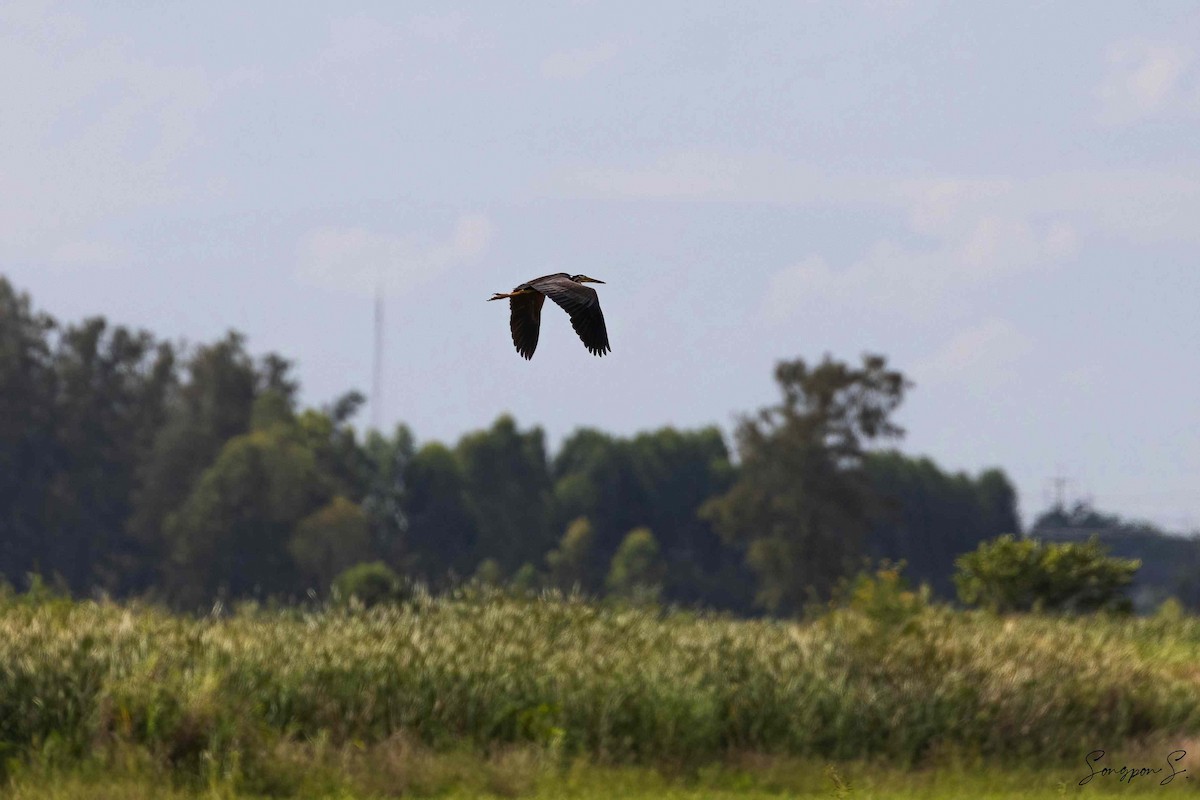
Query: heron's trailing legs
[{"x": 505, "y": 295}]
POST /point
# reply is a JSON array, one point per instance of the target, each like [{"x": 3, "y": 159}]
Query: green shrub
[
  {"x": 370, "y": 584},
  {"x": 526, "y": 579},
  {"x": 488, "y": 573},
  {"x": 884, "y": 596},
  {"x": 637, "y": 569},
  {"x": 1009, "y": 574}
]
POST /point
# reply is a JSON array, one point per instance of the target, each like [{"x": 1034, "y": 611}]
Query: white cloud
[
  {"x": 986, "y": 356},
  {"x": 919, "y": 280},
  {"x": 358, "y": 260},
  {"x": 570, "y": 65},
  {"x": 1145, "y": 79},
  {"x": 936, "y": 204}
]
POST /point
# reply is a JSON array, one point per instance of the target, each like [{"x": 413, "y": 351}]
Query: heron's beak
[{"x": 593, "y": 280}]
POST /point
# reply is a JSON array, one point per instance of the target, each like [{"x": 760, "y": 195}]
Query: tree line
[{"x": 135, "y": 466}]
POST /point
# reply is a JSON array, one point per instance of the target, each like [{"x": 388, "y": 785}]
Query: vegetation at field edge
[{"x": 888, "y": 678}]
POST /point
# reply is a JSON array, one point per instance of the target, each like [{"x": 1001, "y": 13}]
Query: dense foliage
[{"x": 1007, "y": 575}]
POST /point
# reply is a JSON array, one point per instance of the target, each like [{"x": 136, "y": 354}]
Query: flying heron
[{"x": 579, "y": 301}]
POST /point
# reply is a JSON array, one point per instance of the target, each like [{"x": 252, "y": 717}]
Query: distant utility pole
[
  {"x": 1058, "y": 491},
  {"x": 377, "y": 363}
]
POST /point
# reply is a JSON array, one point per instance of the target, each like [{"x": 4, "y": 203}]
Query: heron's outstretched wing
[
  {"x": 525, "y": 319},
  {"x": 583, "y": 306}
]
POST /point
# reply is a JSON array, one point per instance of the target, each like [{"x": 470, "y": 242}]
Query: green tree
[
  {"x": 659, "y": 480},
  {"x": 677, "y": 473},
  {"x": 110, "y": 400},
  {"x": 594, "y": 478},
  {"x": 230, "y": 537},
  {"x": 507, "y": 483},
  {"x": 333, "y": 440},
  {"x": 78, "y": 407},
  {"x": 441, "y": 531},
  {"x": 1009, "y": 574},
  {"x": 997, "y": 499},
  {"x": 222, "y": 391},
  {"x": 27, "y": 392},
  {"x": 637, "y": 568},
  {"x": 210, "y": 406},
  {"x": 802, "y": 501},
  {"x": 929, "y": 517},
  {"x": 386, "y": 498}
]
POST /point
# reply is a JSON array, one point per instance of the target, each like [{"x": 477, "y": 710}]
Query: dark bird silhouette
[{"x": 580, "y": 302}]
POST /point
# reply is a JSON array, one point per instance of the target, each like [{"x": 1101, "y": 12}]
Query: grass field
[{"x": 556, "y": 698}]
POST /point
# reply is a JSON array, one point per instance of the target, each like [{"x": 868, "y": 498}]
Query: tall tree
[
  {"x": 803, "y": 502},
  {"x": 26, "y": 431},
  {"x": 507, "y": 482},
  {"x": 387, "y": 495},
  {"x": 441, "y": 534},
  {"x": 334, "y": 441},
  {"x": 676, "y": 473},
  {"x": 929, "y": 517},
  {"x": 595, "y": 478},
  {"x": 214, "y": 403},
  {"x": 233, "y": 534},
  {"x": 111, "y": 385}
]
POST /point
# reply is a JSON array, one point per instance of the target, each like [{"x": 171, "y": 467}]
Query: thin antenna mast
[{"x": 377, "y": 362}]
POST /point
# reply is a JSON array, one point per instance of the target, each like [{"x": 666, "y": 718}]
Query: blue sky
[{"x": 1004, "y": 198}]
